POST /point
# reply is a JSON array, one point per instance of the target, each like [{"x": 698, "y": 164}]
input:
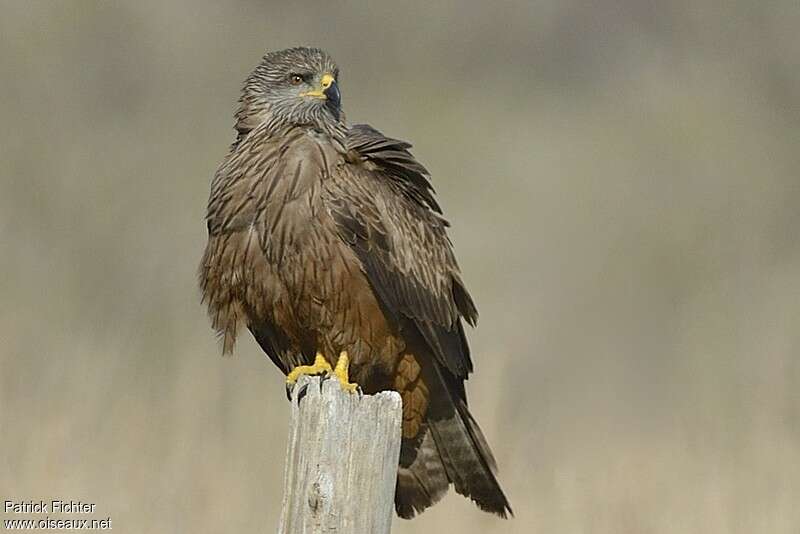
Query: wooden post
[{"x": 341, "y": 460}]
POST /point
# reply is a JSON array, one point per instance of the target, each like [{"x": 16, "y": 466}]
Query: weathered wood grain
[{"x": 341, "y": 460}]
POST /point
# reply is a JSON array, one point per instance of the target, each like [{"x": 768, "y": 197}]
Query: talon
[
  {"x": 319, "y": 367},
  {"x": 342, "y": 373},
  {"x": 302, "y": 393}
]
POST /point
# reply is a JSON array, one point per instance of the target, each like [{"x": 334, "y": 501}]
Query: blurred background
[{"x": 622, "y": 179}]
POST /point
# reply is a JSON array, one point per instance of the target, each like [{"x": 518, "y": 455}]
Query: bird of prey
[{"x": 326, "y": 242}]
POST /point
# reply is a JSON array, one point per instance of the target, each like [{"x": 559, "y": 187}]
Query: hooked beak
[{"x": 329, "y": 91}]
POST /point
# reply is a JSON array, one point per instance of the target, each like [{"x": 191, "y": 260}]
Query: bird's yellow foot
[
  {"x": 320, "y": 366},
  {"x": 342, "y": 373}
]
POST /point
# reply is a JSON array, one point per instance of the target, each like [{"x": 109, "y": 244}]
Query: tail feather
[
  {"x": 469, "y": 463},
  {"x": 452, "y": 449},
  {"x": 421, "y": 483},
  {"x": 477, "y": 436}
]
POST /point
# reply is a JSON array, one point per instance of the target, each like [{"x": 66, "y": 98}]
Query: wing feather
[{"x": 384, "y": 209}]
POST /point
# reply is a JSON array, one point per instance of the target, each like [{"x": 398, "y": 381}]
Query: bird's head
[{"x": 294, "y": 86}]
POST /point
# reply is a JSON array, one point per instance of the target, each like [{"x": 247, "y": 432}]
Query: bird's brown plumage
[{"x": 327, "y": 238}]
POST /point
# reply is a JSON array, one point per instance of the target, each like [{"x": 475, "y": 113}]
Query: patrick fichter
[{"x": 49, "y": 507}]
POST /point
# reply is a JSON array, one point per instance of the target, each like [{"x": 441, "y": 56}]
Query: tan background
[{"x": 623, "y": 183}]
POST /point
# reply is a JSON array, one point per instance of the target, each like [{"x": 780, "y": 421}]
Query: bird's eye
[{"x": 295, "y": 79}]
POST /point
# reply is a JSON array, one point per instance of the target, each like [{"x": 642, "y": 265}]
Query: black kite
[{"x": 325, "y": 240}]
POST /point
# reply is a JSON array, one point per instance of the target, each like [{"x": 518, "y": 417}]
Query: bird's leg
[
  {"x": 320, "y": 366},
  {"x": 342, "y": 372}
]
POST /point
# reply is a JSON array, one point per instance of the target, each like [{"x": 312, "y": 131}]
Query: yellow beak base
[{"x": 327, "y": 81}]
